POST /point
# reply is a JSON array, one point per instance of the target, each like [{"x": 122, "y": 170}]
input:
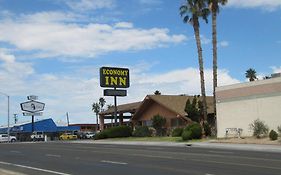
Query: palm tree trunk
[
  {"x": 201, "y": 66},
  {"x": 97, "y": 126},
  {"x": 215, "y": 64}
]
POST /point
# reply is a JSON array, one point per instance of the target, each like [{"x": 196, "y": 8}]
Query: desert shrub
[
  {"x": 177, "y": 132},
  {"x": 259, "y": 128},
  {"x": 186, "y": 135},
  {"x": 273, "y": 135},
  {"x": 158, "y": 122},
  {"x": 195, "y": 129},
  {"x": 142, "y": 131}
]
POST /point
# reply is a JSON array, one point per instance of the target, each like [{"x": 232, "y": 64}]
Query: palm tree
[
  {"x": 157, "y": 92},
  {"x": 251, "y": 74},
  {"x": 214, "y": 7},
  {"x": 102, "y": 103},
  {"x": 191, "y": 12},
  {"x": 96, "y": 109}
]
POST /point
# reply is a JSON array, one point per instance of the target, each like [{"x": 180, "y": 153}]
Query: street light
[{"x": 8, "y": 129}]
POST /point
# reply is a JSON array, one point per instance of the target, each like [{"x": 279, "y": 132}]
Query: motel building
[
  {"x": 238, "y": 105},
  {"x": 140, "y": 113}
]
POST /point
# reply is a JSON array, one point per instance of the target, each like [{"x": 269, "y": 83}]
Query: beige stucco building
[{"x": 239, "y": 105}]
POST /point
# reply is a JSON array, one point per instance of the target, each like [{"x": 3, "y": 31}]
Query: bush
[
  {"x": 186, "y": 135},
  {"x": 207, "y": 129},
  {"x": 273, "y": 135},
  {"x": 177, "y": 132},
  {"x": 118, "y": 131},
  {"x": 259, "y": 128},
  {"x": 142, "y": 131},
  {"x": 195, "y": 131},
  {"x": 158, "y": 122}
]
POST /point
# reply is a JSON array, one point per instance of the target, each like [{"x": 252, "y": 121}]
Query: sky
[{"x": 54, "y": 49}]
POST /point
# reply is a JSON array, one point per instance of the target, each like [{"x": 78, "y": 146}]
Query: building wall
[
  {"x": 155, "y": 109},
  {"x": 239, "y": 105}
]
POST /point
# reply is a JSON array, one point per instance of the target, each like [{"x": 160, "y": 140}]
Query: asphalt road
[{"x": 65, "y": 158}]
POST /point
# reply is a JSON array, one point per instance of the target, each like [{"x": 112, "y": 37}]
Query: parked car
[
  {"x": 90, "y": 135},
  {"x": 37, "y": 136},
  {"x": 4, "y": 138},
  {"x": 68, "y": 136}
]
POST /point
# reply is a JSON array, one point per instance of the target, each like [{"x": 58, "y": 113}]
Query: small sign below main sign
[
  {"x": 114, "y": 92},
  {"x": 32, "y": 113},
  {"x": 32, "y": 106},
  {"x": 114, "y": 77}
]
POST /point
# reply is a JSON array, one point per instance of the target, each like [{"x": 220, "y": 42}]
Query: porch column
[
  {"x": 101, "y": 122},
  {"x": 120, "y": 119}
]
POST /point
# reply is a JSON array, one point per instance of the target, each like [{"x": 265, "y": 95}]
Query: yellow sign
[{"x": 114, "y": 77}]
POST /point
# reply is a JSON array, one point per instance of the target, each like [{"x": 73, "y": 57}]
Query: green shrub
[
  {"x": 259, "y": 128},
  {"x": 207, "y": 129},
  {"x": 118, "y": 131},
  {"x": 195, "y": 131},
  {"x": 186, "y": 135},
  {"x": 158, "y": 122},
  {"x": 177, "y": 132},
  {"x": 142, "y": 131},
  {"x": 273, "y": 135}
]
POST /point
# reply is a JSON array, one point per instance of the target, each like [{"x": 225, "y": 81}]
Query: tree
[
  {"x": 101, "y": 103},
  {"x": 110, "y": 106},
  {"x": 158, "y": 122},
  {"x": 96, "y": 109},
  {"x": 214, "y": 7},
  {"x": 157, "y": 92},
  {"x": 191, "y": 12},
  {"x": 251, "y": 74},
  {"x": 194, "y": 110}
]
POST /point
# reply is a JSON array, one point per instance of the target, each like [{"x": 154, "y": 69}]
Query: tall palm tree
[
  {"x": 102, "y": 102},
  {"x": 192, "y": 11},
  {"x": 214, "y": 6},
  {"x": 157, "y": 92},
  {"x": 96, "y": 109},
  {"x": 251, "y": 74}
]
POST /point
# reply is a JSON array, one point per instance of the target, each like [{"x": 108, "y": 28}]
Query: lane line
[
  {"x": 15, "y": 151},
  {"x": 113, "y": 162},
  {"x": 221, "y": 152},
  {"x": 33, "y": 168},
  {"x": 53, "y": 155}
]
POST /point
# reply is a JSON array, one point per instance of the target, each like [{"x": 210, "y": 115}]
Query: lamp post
[{"x": 8, "y": 129}]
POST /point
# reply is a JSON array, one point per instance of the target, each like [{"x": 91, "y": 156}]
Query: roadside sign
[
  {"x": 114, "y": 77},
  {"x": 32, "y": 113},
  {"x": 32, "y": 97},
  {"x": 114, "y": 92},
  {"x": 32, "y": 106}
]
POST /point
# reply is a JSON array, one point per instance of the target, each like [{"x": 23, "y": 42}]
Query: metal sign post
[{"x": 32, "y": 108}]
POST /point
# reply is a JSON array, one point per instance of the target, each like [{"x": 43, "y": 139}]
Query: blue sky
[{"x": 54, "y": 49}]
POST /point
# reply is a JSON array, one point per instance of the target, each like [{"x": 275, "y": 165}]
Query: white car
[
  {"x": 4, "y": 138},
  {"x": 90, "y": 135}
]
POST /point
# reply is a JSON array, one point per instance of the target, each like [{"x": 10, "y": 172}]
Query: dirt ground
[{"x": 249, "y": 140}]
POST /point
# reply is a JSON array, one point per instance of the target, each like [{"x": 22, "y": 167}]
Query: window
[
  {"x": 176, "y": 122},
  {"x": 147, "y": 123}
]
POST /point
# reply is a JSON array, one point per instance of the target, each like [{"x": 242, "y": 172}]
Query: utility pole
[{"x": 67, "y": 118}]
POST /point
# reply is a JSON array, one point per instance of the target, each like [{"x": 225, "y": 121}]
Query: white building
[{"x": 239, "y": 105}]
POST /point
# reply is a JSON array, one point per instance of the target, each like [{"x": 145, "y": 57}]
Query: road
[{"x": 66, "y": 158}]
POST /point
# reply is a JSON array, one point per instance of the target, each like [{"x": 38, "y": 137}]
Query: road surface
[{"x": 67, "y": 158}]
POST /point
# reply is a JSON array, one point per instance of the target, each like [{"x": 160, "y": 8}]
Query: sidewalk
[{"x": 207, "y": 144}]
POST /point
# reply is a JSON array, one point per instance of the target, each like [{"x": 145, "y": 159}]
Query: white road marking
[
  {"x": 53, "y": 155},
  {"x": 112, "y": 162},
  {"x": 222, "y": 152},
  {"x": 209, "y": 174},
  {"x": 15, "y": 151},
  {"x": 33, "y": 168}
]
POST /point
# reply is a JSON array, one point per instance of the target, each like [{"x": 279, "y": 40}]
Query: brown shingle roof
[
  {"x": 175, "y": 103},
  {"x": 129, "y": 107}
]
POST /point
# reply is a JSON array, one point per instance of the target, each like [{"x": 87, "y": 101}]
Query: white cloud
[
  {"x": 49, "y": 37},
  {"x": 86, "y": 5},
  {"x": 265, "y": 4},
  {"x": 223, "y": 44},
  {"x": 276, "y": 69}
]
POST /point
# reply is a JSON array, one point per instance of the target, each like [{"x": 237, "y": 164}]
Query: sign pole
[
  {"x": 115, "y": 109},
  {"x": 32, "y": 127}
]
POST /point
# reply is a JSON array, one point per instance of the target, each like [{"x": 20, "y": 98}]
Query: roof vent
[{"x": 275, "y": 75}]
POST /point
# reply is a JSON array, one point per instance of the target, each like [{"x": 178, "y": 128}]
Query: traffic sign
[
  {"x": 32, "y": 106},
  {"x": 32, "y": 113}
]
